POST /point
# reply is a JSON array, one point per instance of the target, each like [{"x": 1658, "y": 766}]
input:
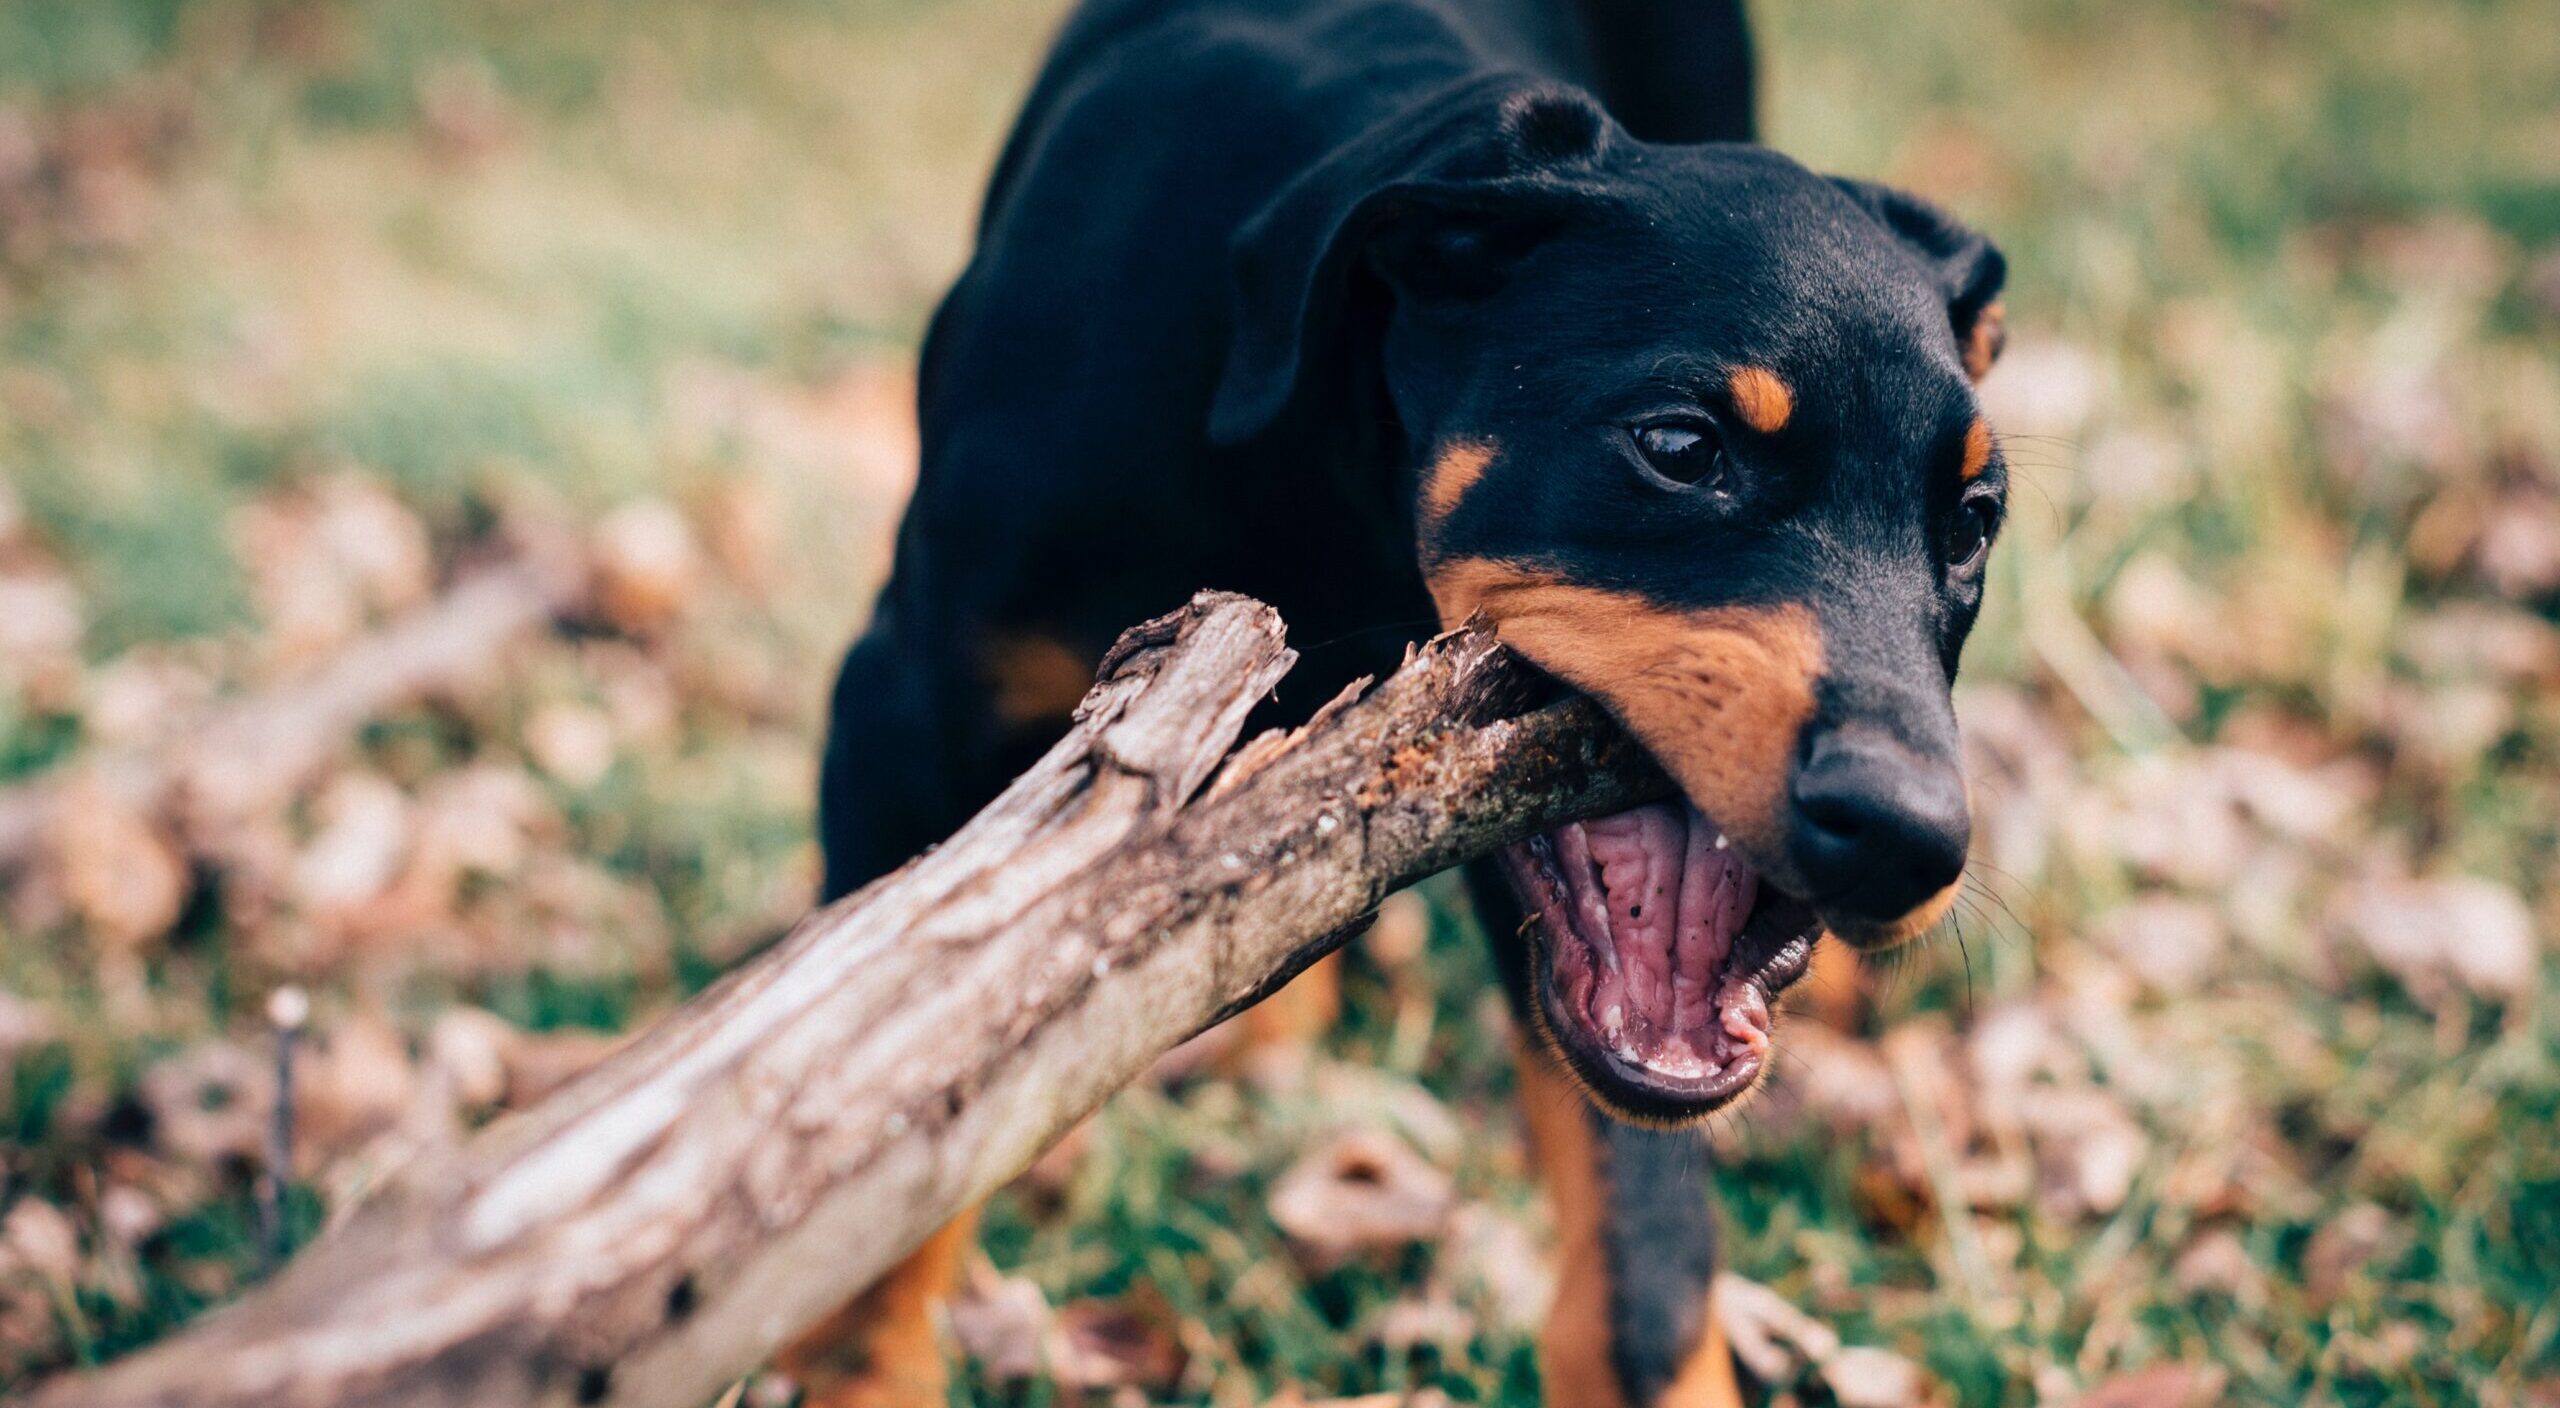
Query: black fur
[
  {"x": 1662, "y": 1251},
  {"x": 1244, "y": 264}
]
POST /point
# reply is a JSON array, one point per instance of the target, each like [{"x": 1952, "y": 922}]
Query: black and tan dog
[{"x": 1390, "y": 311}]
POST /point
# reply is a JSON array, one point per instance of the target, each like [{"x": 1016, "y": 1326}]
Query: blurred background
[{"x": 446, "y": 445}]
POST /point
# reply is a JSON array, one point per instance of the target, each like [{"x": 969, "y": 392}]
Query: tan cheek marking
[
  {"x": 1037, "y": 679},
  {"x": 1983, "y": 341},
  {"x": 1459, "y": 465},
  {"x": 1718, "y": 695},
  {"x": 1977, "y": 449},
  {"x": 1764, "y": 401}
]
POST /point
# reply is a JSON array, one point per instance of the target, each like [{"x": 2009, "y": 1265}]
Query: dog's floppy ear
[
  {"x": 1436, "y": 202},
  {"x": 1969, "y": 267}
]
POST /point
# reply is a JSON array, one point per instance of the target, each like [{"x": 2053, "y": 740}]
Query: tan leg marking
[
  {"x": 1574, "y": 1350},
  {"x": 1707, "y": 1378},
  {"x": 1717, "y": 694}
]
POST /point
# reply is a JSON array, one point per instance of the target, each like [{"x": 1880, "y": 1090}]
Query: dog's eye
[
  {"x": 1977, "y": 518},
  {"x": 1682, "y": 451}
]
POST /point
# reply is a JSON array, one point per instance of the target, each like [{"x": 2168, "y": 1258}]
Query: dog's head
[{"x": 1696, "y": 428}]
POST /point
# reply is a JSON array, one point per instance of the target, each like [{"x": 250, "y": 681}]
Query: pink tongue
[{"x": 1670, "y": 901}]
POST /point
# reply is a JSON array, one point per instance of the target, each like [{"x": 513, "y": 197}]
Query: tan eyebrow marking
[
  {"x": 1460, "y": 464},
  {"x": 1764, "y": 401},
  {"x": 1977, "y": 449}
]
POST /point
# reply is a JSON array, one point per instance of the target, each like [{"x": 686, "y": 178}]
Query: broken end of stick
[{"x": 1142, "y": 645}]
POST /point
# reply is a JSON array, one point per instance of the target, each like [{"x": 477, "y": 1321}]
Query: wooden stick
[{"x": 662, "y": 1224}]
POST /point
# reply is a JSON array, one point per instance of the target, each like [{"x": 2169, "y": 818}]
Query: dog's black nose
[{"x": 1879, "y": 828}]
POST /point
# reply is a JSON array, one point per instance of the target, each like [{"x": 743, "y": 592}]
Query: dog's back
[{"x": 1069, "y": 484}]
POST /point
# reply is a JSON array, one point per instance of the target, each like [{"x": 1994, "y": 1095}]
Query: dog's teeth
[
  {"x": 1721, "y": 842},
  {"x": 1614, "y": 1020}
]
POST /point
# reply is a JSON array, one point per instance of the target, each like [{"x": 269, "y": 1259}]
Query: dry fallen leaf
[
  {"x": 485, "y": 1064},
  {"x": 2087, "y": 1148},
  {"x": 2010, "y": 1045},
  {"x": 1131, "y": 1342},
  {"x": 144, "y": 696},
  {"x": 1007, "y": 1325},
  {"x": 467, "y": 1050},
  {"x": 1779, "y": 1343},
  {"x": 2360, "y": 1235},
  {"x": 324, "y": 558},
  {"x": 2436, "y": 936},
  {"x": 645, "y": 565},
  {"x": 2171, "y": 943},
  {"x": 2218, "y": 1263},
  {"x": 1290, "y": 1397},
  {"x": 118, "y": 868},
  {"x": 23, "y": 1024},
  {"x": 1430, "y": 1320},
  {"x": 127, "y": 1215},
  {"x": 2519, "y": 548},
  {"x": 485, "y": 819},
  {"x": 1772, "y": 1338},
  {"x": 40, "y": 1237},
  {"x": 572, "y": 742},
  {"x": 2164, "y": 1386},
  {"x": 1842, "y": 1079},
  {"x": 1365, "y": 1192},
  {"x": 353, "y": 1081},
  {"x": 1497, "y": 1264},
  {"x": 1864, "y": 1377},
  {"x": 42, "y": 623},
  {"x": 210, "y": 1103},
  {"x": 1356, "y": 1092},
  {"x": 364, "y": 834}
]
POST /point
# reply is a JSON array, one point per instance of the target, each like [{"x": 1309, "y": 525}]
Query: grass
[{"x": 2286, "y": 282}]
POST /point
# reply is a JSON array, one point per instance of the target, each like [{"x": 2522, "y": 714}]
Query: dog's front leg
[
  {"x": 1631, "y": 1326},
  {"x": 1635, "y": 1222}
]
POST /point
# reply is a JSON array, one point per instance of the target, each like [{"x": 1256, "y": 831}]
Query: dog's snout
[{"x": 1880, "y": 830}]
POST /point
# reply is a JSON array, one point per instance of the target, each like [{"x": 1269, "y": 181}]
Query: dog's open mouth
[{"x": 1658, "y": 954}]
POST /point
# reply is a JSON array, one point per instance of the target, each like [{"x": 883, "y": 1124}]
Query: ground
[{"x": 2240, "y": 1071}]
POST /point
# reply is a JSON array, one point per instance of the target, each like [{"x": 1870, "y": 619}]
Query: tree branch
[{"x": 663, "y": 1224}]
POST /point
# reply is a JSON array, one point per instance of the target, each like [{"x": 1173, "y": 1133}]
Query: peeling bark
[{"x": 663, "y": 1224}]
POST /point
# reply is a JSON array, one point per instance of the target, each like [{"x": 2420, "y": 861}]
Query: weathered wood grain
[{"x": 664, "y": 1223}]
